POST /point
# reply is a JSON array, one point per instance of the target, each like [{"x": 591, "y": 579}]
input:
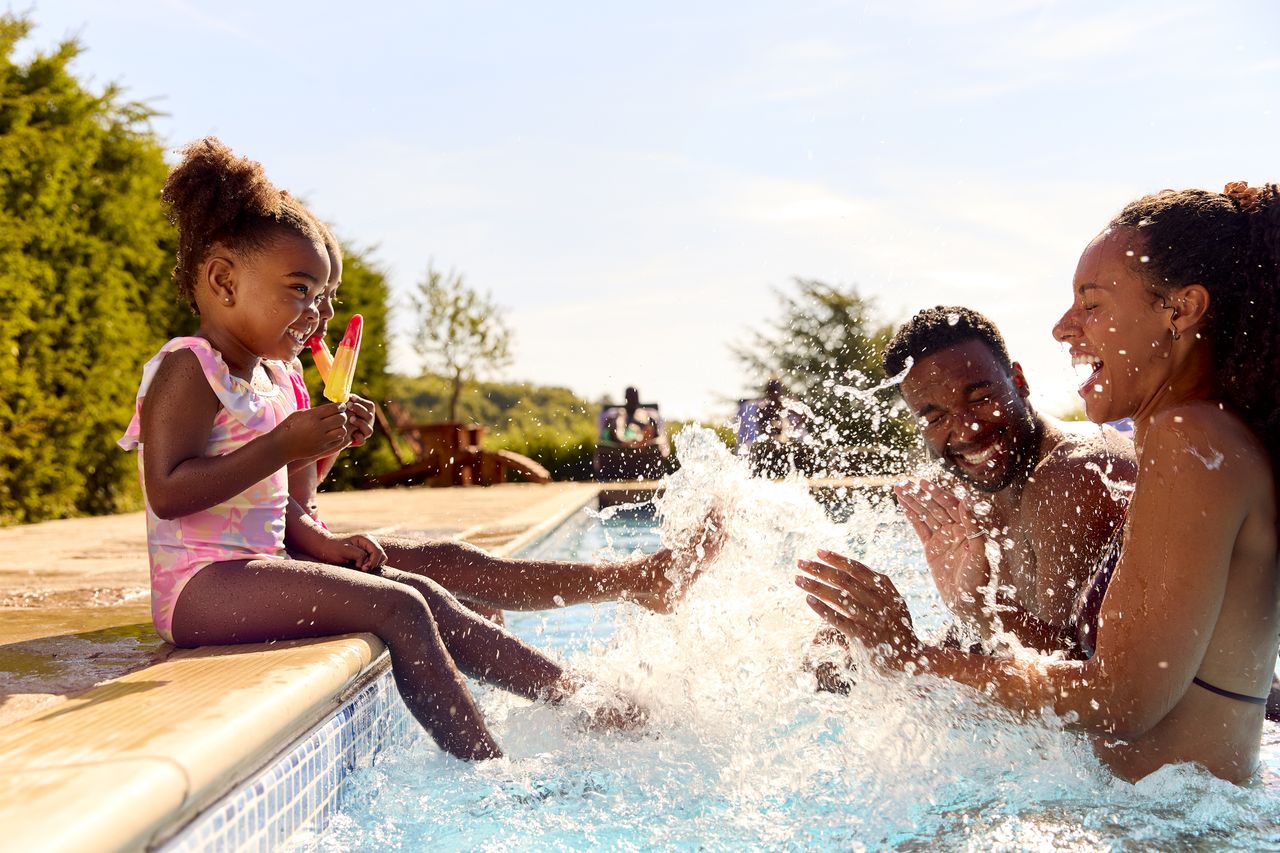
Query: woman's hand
[
  {"x": 863, "y": 605},
  {"x": 954, "y": 545}
]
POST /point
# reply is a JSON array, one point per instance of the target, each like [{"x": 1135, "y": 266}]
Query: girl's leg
[
  {"x": 264, "y": 600},
  {"x": 482, "y": 649},
  {"x": 489, "y": 652},
  {"x": 510, "y": 584}
]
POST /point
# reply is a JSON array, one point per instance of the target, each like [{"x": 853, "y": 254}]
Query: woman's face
[{"x": 1117, "y": 328}]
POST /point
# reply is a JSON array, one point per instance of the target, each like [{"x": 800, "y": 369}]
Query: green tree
[
  {"x": 460, "y": 333},
  {"x": 364, "y": 291},
  {"x": 85, "y": 292},
  {"x": 826, "y": 346}
]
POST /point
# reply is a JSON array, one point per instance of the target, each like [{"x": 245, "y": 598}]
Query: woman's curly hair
[
  {"x": 217, "y": 196},
  {"x": 1230, "y": 243}
]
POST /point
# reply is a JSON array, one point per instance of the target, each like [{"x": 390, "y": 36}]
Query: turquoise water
[{"x": 740, "y": 752}]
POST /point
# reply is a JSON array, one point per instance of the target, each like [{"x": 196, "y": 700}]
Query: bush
[
  {"x": 550, "y": 425},
  {"x": 85, "y": 292}
]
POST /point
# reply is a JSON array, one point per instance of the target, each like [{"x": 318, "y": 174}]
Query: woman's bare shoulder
[{"x": 1206, "y": 439}]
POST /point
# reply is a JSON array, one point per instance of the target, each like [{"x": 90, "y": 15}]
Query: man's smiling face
[{"x": 973, "y": 414}]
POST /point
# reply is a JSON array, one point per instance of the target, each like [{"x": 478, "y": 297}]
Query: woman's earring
[{"x": 1173, "y": 328}]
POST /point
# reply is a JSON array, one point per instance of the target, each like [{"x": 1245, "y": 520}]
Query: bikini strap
[{"x": 1240, "y": 697}]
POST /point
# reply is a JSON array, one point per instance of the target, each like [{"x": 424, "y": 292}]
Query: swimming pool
[{"x": 739, "y": 750}]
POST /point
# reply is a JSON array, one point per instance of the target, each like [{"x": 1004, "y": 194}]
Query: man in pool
[{"x": 1048, "y": 495}]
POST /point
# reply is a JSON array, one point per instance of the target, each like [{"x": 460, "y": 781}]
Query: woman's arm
[{"x": 1156, "y": 620}]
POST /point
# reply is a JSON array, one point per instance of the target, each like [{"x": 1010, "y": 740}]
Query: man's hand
[{"x": 954, "y": 545}]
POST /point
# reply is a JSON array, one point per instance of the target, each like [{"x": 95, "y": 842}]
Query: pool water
[{"x": 741, "y": 752}]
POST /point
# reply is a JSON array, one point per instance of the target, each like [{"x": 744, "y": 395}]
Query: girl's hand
[
  {"x": 660, "y": 580},
  {"x": 359, "y": 420},
  {"x": 312, "y": 433},
  {"x": 863, "y": 605},
  {"x": 356, "y": 550}
]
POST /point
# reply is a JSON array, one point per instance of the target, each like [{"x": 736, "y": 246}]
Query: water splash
[{"x": 741, "y": 750}]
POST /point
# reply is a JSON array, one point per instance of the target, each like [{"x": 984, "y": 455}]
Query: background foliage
[
  {"x": 85, "y": 294},
  {"x": 826, "y": 346},
  {"x": 551, "y": 425},
  {"x": 460, "y": 332}
]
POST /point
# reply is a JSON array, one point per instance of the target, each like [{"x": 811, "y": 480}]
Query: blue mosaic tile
[{"x": 302, "y": 790}]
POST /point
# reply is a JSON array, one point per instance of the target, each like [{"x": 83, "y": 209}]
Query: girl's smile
[{"x": 265, "y": 304}]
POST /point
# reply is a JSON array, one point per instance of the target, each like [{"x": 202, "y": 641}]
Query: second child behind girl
[{"x": 216, "y": 427}]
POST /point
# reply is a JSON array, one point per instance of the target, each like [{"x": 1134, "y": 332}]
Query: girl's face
[
  {"x": 1117, "y": 328},
  {"x": 325, "y": 305},
  {"x": 277, "y": 294}
]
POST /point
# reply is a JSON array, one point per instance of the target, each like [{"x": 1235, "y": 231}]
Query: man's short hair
[{"x": 937, "y": 328}]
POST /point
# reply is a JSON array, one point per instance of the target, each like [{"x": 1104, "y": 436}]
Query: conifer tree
[
  {"x": 826, "y": 347},
  {"x": 85, "y": 292}
]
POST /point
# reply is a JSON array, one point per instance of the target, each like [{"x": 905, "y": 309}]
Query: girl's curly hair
[{"x": 216, "y": 196}]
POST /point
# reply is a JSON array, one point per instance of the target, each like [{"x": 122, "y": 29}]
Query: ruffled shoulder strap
[{"x": 236, "y": 396}]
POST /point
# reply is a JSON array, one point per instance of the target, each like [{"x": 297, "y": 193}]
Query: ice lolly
[
  {"x": 337, "y": 387},
  {"x": 320, "y": 355}
]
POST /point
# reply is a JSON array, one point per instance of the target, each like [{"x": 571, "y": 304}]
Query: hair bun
[{"x": 1245, "y": 198}]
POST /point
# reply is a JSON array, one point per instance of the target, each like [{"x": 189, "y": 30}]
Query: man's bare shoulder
[{"x": 1086, "y": 458}]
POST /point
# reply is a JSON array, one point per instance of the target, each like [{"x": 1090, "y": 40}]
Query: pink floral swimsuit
[{"x": 248, "y": 526}]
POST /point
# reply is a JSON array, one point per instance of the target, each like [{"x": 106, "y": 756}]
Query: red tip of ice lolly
[
  {"x": 314, "y": 343},
  {"x": 352, "y": 336}
]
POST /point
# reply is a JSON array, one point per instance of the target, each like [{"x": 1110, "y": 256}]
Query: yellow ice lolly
[
  {"x": 320, "y": 355},
  {"x": 337, "y": 387}
]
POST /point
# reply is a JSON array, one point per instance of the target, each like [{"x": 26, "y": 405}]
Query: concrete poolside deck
[{"x": 108, "y": 736}]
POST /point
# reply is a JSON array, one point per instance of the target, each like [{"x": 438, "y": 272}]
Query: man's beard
[{"x": 1025, "y": 454}]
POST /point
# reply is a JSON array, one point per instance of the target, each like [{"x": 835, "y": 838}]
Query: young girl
[
  {"x": 486, "y": 582},
  {"x": 216, "y": 427}
]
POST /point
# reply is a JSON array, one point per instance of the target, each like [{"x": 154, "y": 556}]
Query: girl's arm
[{"x": 177, "y": 416}]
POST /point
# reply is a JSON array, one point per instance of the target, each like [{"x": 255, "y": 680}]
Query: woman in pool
[{"x": 1175, "y": 310}]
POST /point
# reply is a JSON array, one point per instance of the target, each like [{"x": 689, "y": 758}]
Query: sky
[{"x": 636, "y": 184}]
